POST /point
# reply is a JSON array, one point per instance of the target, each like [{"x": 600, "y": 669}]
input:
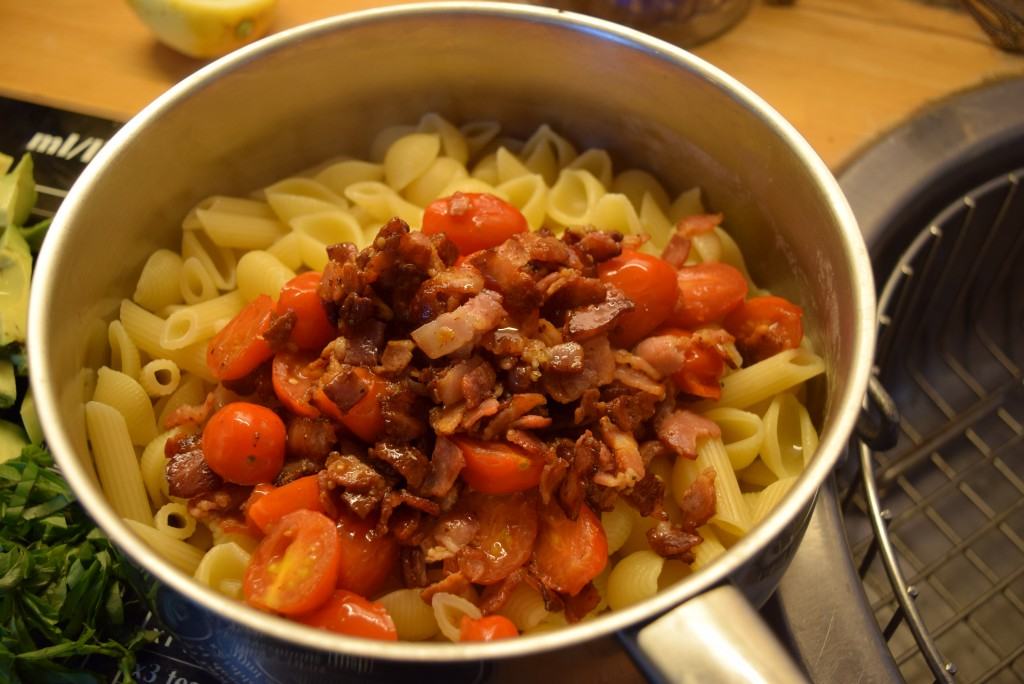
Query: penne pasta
[
  {"x": 157, "y": 286},
  {"x": 125, "y": 394},
  {"x": 174, "y": 520},
  {"x": 160, "y": 377},
  {"x": 180, "y": 554},
  {"x": 124, "y": 355},
  {"x": 116, "y": 464}
]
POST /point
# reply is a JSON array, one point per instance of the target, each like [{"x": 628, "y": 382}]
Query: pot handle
[
  {"x": 879, "y": 422},
  {"x": 714, "y": 637}
]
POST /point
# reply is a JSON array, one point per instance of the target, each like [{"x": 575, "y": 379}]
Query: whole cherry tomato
[
  {"x": 650, "y": 283},
  {"x": 473, "y": 220},
  {"x": 707, "y": 292},
  {"x": 244, "y": 443}
]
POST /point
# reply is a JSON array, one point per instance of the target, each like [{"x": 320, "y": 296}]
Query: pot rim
[{"x": 832, "y": 443}]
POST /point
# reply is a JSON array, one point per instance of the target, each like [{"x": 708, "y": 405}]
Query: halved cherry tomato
[
  {"x": 295, "y": 567},
  {"x": 365, "y": 419},
  {"x": 504, "y": 539},
  {"x": 702, "y": 367},
  {"x": 293, "y": 378},
  {"x": 707, "y": 292},
  {"x": 650, "y": 283},
  {"x": 312, "y": 330},
  {"x": 300, "y": 494},
  {"x": 367, "y": 558},
  {"x": 244, "y": 443},
  {"x": 257, "y": 493},
  {"x": 487, "y": 628},
  {"x": 348, "y": 613},
  {"x": 765, "y": 326},
  {"x": 239, "y": 347},
  {"x": 473, "y": 220},
  {"x": 498, "y": 468},
  {"x": 569, "y": 553}
]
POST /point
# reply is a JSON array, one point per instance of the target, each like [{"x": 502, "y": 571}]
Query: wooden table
[{"x": 843, "y": 71}]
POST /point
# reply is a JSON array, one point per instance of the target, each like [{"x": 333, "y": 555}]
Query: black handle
[{"x": 879, "y": 422}]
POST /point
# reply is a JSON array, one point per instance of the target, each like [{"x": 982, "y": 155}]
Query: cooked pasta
[
  {"x": 634, "y": 579},
  {"x": 174, "y": 520},
  {"x": 413, "y": 617},
  {"x": 116, "y": 464},
  {"x": 449, "y": 610},
  {"x": 160, "y": 377},
  {"x": 124, "y": 393},
  {"x": 180, "y": 554},
  {"x": 222, "y": 568},
  {"x": 124, "y": 355},
  {"x": 525, "y": 607},
  {"x": 157, "y": 286},
  {"x": 234, "y": 250}
]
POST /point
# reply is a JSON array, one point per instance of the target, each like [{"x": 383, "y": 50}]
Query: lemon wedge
[{"x": 205, "y": 28}]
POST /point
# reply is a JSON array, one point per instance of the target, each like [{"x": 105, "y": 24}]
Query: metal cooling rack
[{"x": 943, "y": 511}]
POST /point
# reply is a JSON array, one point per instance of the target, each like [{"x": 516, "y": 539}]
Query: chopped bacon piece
[
  {"x": 598, "y": 370},
  {"x": 594, "y": 319},
  {"x": 452, "y": 532},
  {"x": 407, "y": 461},
  {"x": 363, "y": 487},
  {"x": 629, "y": 465},
  {"x": 665, "y": 353},
  {"x": 280, "y": 329},
  {"x": 672, "y": 541},
  {"x": 396, "y": 357},
  {"x": 497, "y": 595},
  {"x": 311, "y": 438},
  {"x": 414, "y": 567},
  {"x": 446, "y": 463},
  {"x": 646, "y": 496},
  {"x": 452, "y": 331},
  {"x": 188, "y": 474},
  {"x": 639, "y": 381},
  {"x": 345, "y": 388},
  {"x": 579, "y": 605},
  {"x": 516, "y": 406},
  {"x": 697, "y": 224},
  {"x": 566, "y": 358},
  {"x": 697, "y": 501},
  {"x": 455, "y": 583},
  {"x": 681, "y": 429}
]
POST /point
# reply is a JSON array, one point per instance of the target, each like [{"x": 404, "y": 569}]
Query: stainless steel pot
[{"x": 323, "y": 89}]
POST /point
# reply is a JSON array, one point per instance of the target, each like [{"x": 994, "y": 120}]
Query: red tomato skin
[
  {"x": 346, "y": 612},
  {"x": 239, "y": 348},
  {"x": 293, "y": 378},
  {"x": 473, "y": 220},
  {"x": 650, "y": 283},
  {"x": 765, "y": 326},
  {"x": 300, "y": 494},
  {"x": 702, "y": 368},
  {"x": 244, "y": 443},
  {"x": 313, "y": 329},
  {"x": 498, "y": 468},
  {"x": 295, "y": 567},
  {"x": 569, "y": 553},
  {"x": 507, "y": 530},
  {"x": 365, "y": 419},
  {"x": 487, "y": 628},
  {"x": 367, "y": 558},
  {"x": 707, "y": 293}
]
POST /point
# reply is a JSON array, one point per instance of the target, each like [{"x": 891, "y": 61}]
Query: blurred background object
[
  {"x": 202, "y": 29},
  {"x": 683, "y": 22},
  {"x": 1003, "y": 21}
]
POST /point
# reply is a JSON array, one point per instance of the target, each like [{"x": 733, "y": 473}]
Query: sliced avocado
[
  {"x": 30, "y": 418},
  {"x": 5, "y": 162},
  {"x": 8, "y": 388},
  {"x": 12, "y": 440},
  {"x": 35, "y": 233},
  {"x": 17, "y": 193},
  {"x": 15, "y": 277}
]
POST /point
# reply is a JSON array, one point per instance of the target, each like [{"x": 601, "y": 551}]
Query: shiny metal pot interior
[{"x": 323, "y": 89}]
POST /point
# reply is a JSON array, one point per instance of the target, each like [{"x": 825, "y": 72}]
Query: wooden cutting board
[{"x": 842, "y": 71}]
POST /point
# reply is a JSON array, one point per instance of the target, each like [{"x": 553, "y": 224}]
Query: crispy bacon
[
  {"x": 681, "y": 429},
  {"x": 455, "y": 583},
  {"x": 397, "y": 355},
  {"x": 311, "y": 439},
  {"x": 363, "y": 488},
  {"x": 629, "y": 467},
  {"x": 188, "y": 474},
  {"x": 462, "y": 327},
  {"x": 594, "y": 319},
  {"x": 495, "y": 596},
  {"x": 698, "y": 500},
  {"x": 672, "y": 541},
  {"x": 446, "y": 463},
  {"x": 407, "y": 461},
  {"x": 579, "y": 605}
]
